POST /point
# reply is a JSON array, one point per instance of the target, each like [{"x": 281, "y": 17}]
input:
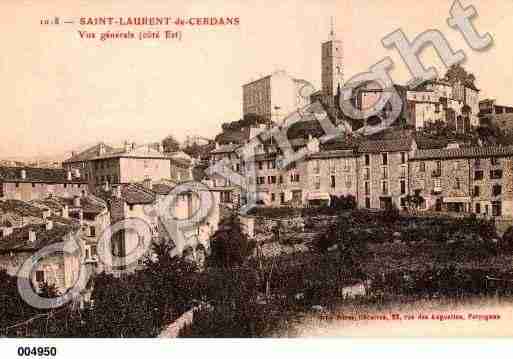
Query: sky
[{"x": 60, "y": 92}]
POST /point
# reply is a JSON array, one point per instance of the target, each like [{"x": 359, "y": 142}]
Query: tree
[
  {"x": 230, "y": 245},
  {"x": 170, "y": 144},
  {"x": 457, "y": 72},
  {"x": 414, "y": 201}
]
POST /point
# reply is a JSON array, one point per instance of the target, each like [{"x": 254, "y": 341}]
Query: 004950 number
[{"x": 37, "y": 351}]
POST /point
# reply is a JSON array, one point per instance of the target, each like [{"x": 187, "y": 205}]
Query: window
[
  {"x": 422, "y": 167},
  {"x": 403, "y": 171},
  {"x": 273, "y": 197},
  {"x": 437, "y": 185},
  {"x": 260, "y": 180},
  {"x": 367, "y": 160},
  {"x": 294, "y": 177},
  {"x": 384, "y": 172},
  {"x": 348, "y": 181},
  {"x": 282, "y": 198},
  {"x": 496, "y": 208},
  {"x": 403, "y": 158},
  {"x": 317, "y": 183},
  {"x": 384, "y": 159},
  {"x": 457, "y": 184},
  {"x": 315, "y": 166},
  {"x": 496, "y": 174},
  {"x": 403, "y": 187},
  {"x": 367, "y": 202},
  {"x": 131, "y": 207},
  {"x": 280, "y": 179},
  {"x": 94, "y": 251},
  {"x": 478, "y": 207},
  {"x": 33, "y": 185},
  {"x": 494, "y": 161},
  {"x": 367, "y": 188},
  {"x": 384, "y": 187},
  {"x": 271, "y": 179},
  {"x": 40, "y": 276},
  {"x": 366, "y": 174},
  {"x": 497, "y": 190},
  {"x": 260, "y": 165},
  {"x": 347, "y": 166},
  {"x": 332, "y": 165},
  {"x": 478, "y": 175},
  {"x": 476, "y": 191},
  {"x": 292, "y": 165},
  {"x": 332, "y": 181},
  {"x": 477, "y": 163},
  {"x": 271, "y": 164},
  {"x": 92, "y": 231}
]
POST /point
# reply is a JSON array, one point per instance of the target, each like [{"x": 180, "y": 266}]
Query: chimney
[
  {"x": 49, "y": 225},
  {"x": 73, "y": 153},
  {"x": 147, "y": 183},
  {"x": 6, "y": 231},
  {"x": 101, "y": 149},
  {"x": 23, "y": 174},
  {"x": 65, "y": 211},
  {"x": 132, "y": 146},
  {"x": 68, "y": 175},
  {"x": 127, "y": 146},
  {"x": 117, "y": 191},
  {"x": 76, "y": 201},
  {"x": 32, "y": 236},
  {"x": 160, "y": 148}
]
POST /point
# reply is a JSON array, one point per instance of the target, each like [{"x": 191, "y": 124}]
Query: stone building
[
  {"x": 28, "y": 183},
  {"x": 129, "y": 164},
  {"x": 332, "y": 171},
  {"x": 153, "y": 207},
  {"x": 383, "y": 172},
  {"x": 60, "y": 269},
  {"x": 492, "y": 114},
  {"x": 467, "y": 179},
  {"x": 274, "y": 96}
]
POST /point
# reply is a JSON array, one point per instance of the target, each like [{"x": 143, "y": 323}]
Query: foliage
[
  {"x": 414, "y": 201},
  {"x": 230, "y": 246},
  {"x": 170, "y": 144},
  {"x": 457, "y": 73},
  {"x": 249, "y": 120},
  {"x": 343, "y": 202}
]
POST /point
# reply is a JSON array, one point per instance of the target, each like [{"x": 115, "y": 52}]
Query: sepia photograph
[{"x": 186, "y": 170}]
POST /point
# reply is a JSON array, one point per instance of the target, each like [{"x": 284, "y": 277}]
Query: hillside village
[{"x": 375, "y": 212}]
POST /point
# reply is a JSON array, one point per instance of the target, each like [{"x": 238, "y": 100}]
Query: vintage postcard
[{"x": 271, "y": 169}]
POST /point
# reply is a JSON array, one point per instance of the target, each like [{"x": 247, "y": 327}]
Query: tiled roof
[
  {"x": 233, "y": 136},
  {"x": 21, "y": 208},
  {"x": 400, "y": 144},
  {"x": 225, "y": 149},
  {"x": 37, "y": 175},
  {"x": 332, "y": 154},
  {"x": 142, "y": 151},
  {"x": 137, "y": 194},
  {"x": 91, "y": 152},
  {"x": 424, "y": 142},
  {"x": 19, "y": 239},
  {"x": 464, "y": 152},
  {"x": 162, "y": 188}
]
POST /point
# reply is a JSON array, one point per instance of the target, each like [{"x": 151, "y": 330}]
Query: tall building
[
  {"x": 274, "y": 96},
  {"x": 332, "y": 73}
]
